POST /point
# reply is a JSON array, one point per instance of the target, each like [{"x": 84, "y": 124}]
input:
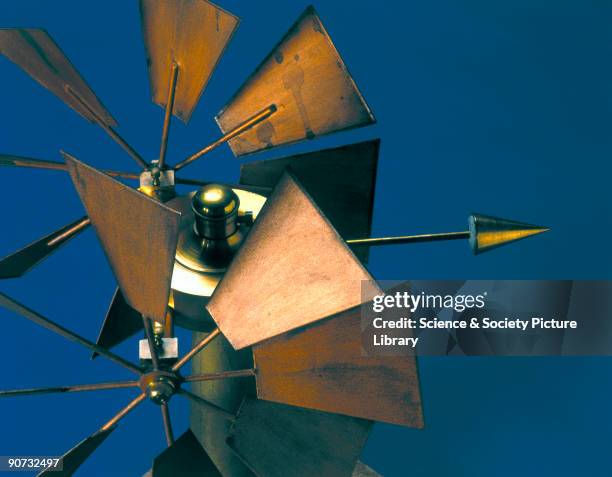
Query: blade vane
[
  {"x": 192, "y": 33},
  {"x": 138, "y": 234},
  {"x": 322, "y": 367},
  {"x": 307, "y": 80},
  {"x": 340, "y": 180},
  {"x": 38, "y": 55},
  {"x": 293, "y": 269},
  {"x": 276, "y": 440}
]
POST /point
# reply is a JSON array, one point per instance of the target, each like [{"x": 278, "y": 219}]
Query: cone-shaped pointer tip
[{"x": 488, "y": 232}]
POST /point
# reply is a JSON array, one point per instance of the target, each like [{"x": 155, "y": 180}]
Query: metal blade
[
  {"x": 38, "y": 55},
  {"x": 121, "y": 323},
  {"x": 76, "y": 456},
  {"x": 191, "y": 33},
  {"x": 322, "y": 367},
  {"x": 340, "y": 180},
  {"x": 20, "y": 262},
  {"x": 305, "y": 77},
  {"x": 362, "y": 470},
  {"x": 138, "y": 234},
  {"x": 487, "y": 232},
  {"x": 276, "y": 440},
  {"x": 184, "y": 458},
  {"x": 292, "y": 247},
  {"x": 210, "y": 428}
]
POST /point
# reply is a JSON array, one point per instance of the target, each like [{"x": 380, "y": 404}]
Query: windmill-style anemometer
[{"x": 267, "y": 273}]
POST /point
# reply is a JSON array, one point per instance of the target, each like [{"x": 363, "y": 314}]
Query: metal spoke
[
  {"x": 241, "y": 373},
  {"x": 410, "y": 239},
  {"x": 167, "y": 424},
  {"x": 196, "y": 349},
  {"x": 168, "y": 116},
  {"x": 151, "y": 340},
  {"x": 109, "y": 130},
  {"x": 124, "y": 412},
  {"x": 246, "y": 125},
  {"x": 203, "y": 402},
  {"x": 69, "y": 389},
  {"x": 31, "y": 315}
]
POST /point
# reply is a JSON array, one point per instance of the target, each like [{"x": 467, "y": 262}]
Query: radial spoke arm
[
  {"x": 151, "y": 340},
  {"x": 165, "y": 411},
  {"x": 109, "y": 130},
  {"x": 246, "y": 125},
  {"x": 69, "y": 389},
  {"x": 31, "y": 315},
  {"x": 174, "y": 70},
  {"x": 18, "y": 263},
  {"x": 241, "y": 373},
  {"x": 112, "y": 422},
  {"x": 410, "y": 239},
  {"x": 196, "y": 349}
]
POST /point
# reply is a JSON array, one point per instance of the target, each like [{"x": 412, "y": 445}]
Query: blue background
[{"x": 498, "y": 107}]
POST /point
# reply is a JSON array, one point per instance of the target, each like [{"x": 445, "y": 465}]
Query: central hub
[
  {"x": 217, "y": 232},
  {"x": 216, "y": 211},
  {"x": 159, "y": 386}
]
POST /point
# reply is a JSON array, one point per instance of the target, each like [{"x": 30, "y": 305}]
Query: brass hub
[{"x": 160, "y": 386}]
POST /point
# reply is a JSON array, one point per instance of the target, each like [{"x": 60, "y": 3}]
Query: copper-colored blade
[
  {"x": 192, "y": 33},
  {"x": 138, "y": 234},
  {"x": 121, "y": 323},
  {"x": 20, "y": 262},
  {"x": 275, "y": 440},
  {"x": 38, "y": 55},
  {"x": 340, "y": 180},
  {"x": 362, "y": 470},
  {"x": 210, "y": 428},
  {"x": 76, "y": 456},
  {"x": 322, "y": 367},
  {"x": 292, "y": 270},
  {"x": 305, "y": 77},
  {"x": 185, "y": 458}
]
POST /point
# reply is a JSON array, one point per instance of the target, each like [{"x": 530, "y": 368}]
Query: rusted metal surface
[
  {"x": 38, "y": 55},
  {"x": 185, "y": 458},
  {"x": 305, "y": 77},
  {"x": 191, "y": 33},
  {"x": 121, "y": 322},
  {"x": 138, "y": 235},
  {"x": 210, "y": 428},
  {"x": 341, "y": 181},
  {"x": 76, "y": 456},
  {"x": 293, "y": 269},
  {"x": 20, "y": 262},
  {"x": 322, "y": 367},
  {"x": 275, "y": 440}
]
